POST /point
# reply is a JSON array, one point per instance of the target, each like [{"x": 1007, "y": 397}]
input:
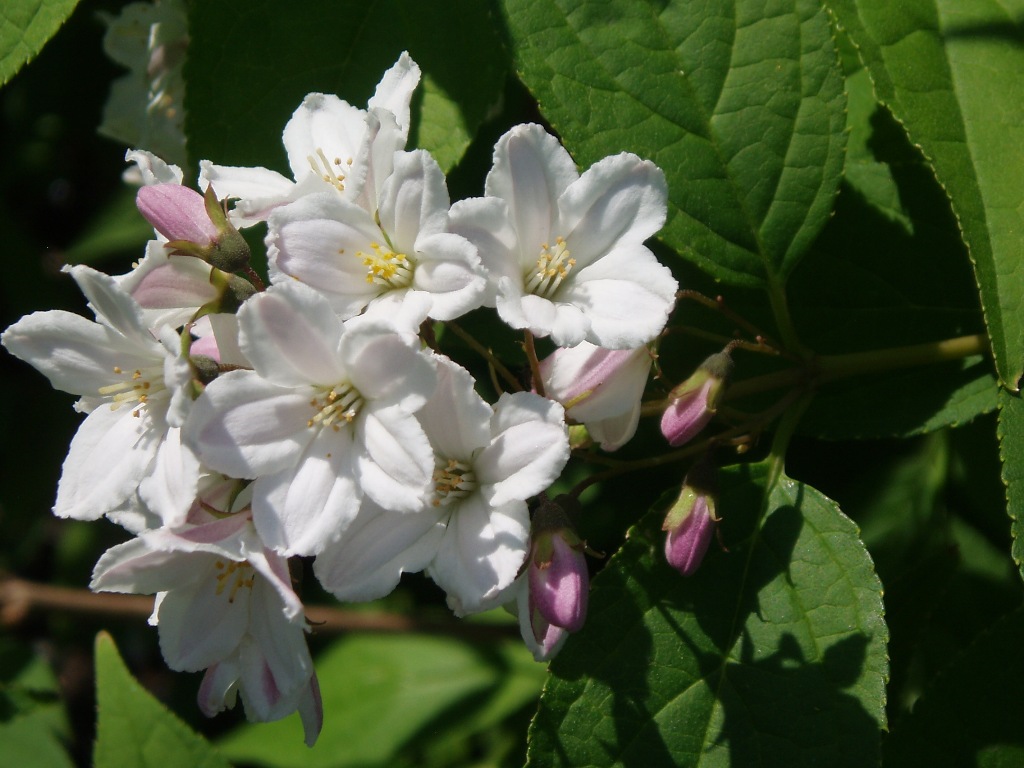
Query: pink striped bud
[
  {"x": 695, "y": 401},
  {"x": 601, "y": 388},
  {"x": 690, "y": 523},
  {"x": 556, "y": 572}
]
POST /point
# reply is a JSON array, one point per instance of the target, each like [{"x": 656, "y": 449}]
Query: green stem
[
  {"x": 831, "y": 367},
  {"x": 780, "y": 441},
  {"x": 780, "y": 308}
]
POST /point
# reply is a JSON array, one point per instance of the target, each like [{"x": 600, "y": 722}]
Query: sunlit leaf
[
  {"x": 135, "y": 729},
  {"x": 25, "y": 26},
  {"x": 741, "y": 103}
]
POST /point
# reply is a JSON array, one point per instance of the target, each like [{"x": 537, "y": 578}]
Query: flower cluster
[{"x": 231, "y": 426}]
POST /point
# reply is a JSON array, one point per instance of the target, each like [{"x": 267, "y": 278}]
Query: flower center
[
  {"x": 140, "y": 386},
  {"x": 452, "y": 482},
  {"x": 336, "y": 407},
  {"x": 233, "y": 576},
  {"x": 553, "y": 266},
  {"x": 385, "y": 267},
  {"x": 328, "y": 170}
]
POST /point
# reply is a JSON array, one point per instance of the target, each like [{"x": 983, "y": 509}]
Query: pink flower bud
[
  {"x": 691, "y": 522},
  {"x": 556, "y": 572},
  {"x": 194, "y": 224},
  {"x": 177, "y": 213},
  {"x": 559, "y": 580},
  {"x": 599, "y": 387},
  {"x": 695, "y": 401}
]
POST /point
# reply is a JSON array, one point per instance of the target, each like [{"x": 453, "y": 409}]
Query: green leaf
[
  {"x": 381, "y": 693},
  {"x": 741, "y": 103},
  {"x": 134, "y": 728},
  {"x": 972, "y": 713},
  {"x": 950, "y": 72},
  {"x": 25, "y": 27},
  {"x": 889, "y": 270},
  {"x": 773, "y": 654},
  {"x": 903, "y": 403},
  {"x": 33, "y": 723},
  {"x": 1011, "y": 452},
  {"x": 249, "y": 67}
]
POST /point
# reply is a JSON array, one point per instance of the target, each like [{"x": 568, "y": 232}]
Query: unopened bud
[
  {"x": 177, "y": 213},
  {"x": 556, "y": 571},
  {"x": 194, "y": 225},
  {"x": 601, "y": 388},
  {"x": 695, "y": 401},
  {"x": 690, "y": 523}
]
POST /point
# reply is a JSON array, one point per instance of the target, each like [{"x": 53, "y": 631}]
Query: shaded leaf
[
  {"x": 25, "y": 27},
  {"x": 772, "y": 654},
  {"x": 741, "y": 104},
  {"x": 250, "y": 66},
  {"x": 950, "y": 72},
  {"x": 972, "y": 713},
  {"x": 889, "y": 270},
  {"x": 134, "y": 728}
]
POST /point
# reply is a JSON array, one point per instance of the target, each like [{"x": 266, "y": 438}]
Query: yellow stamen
[
  {"x": 553, "y": 266},
  {"x": 329, "y": 172},
  {"x": 454, "y": 481}
]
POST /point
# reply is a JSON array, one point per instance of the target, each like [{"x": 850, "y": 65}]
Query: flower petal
[
  {"x": 323, "y": 129},
  {"x": 291, "y": 335},
  {"x": 204, "y": 624},
  {"x": 368, "y": 561},
  {"x": 628, "y": 296},
  {"x": 109, "y": 456},
  {"x": 258, "y": 190},
  {"x": 300, "y": 510},
  {"x": 244, "y": 426},
  {"x": 456, "y": 419},
  {"x": 531, "y": 170},
  {"x": 620, "y": 200},
  {"x": 394, "y": 92},
  {"x": 481, "y": 552},
  {"x": 396, "y": 469},
  {"x": 318, "y": 240},
  {"x": 529, "y": 449}
]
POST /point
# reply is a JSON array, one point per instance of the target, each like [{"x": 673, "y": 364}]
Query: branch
[{"x": 20, "y": 598}]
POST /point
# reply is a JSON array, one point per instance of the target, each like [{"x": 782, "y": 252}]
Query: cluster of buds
[{"x": 231, "y": 427}]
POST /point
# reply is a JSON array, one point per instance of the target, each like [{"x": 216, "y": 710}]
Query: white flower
[
  {"x": 600, "y": 388},
  {"x": 400, "y": 248},
  {"x": 565, "y": 252},
  {"x": 473, "y": 533},
  {"x": 330, "y": 145},
  {"x": 224, "y": 604},
  {"x": 128, "y": 384},
  {"x": 325, "y": 416}
]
